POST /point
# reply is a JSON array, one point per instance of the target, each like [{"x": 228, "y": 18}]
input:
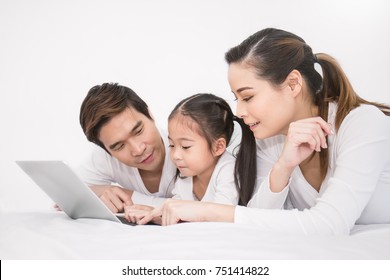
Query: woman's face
[{"x": 268, "y": 110}]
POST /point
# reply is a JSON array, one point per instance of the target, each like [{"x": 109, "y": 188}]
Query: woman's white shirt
[{"x": 355, "y": 190}]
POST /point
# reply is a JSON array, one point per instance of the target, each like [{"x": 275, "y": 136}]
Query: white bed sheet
[{"x": 53, "y": 235}]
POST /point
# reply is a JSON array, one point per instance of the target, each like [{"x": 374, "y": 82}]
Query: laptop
[{"x": 66, "y": 189}]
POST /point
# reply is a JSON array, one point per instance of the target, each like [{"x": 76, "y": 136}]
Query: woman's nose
[{"x": 240, "y": 110}]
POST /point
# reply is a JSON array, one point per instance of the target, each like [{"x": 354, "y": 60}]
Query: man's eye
[
  {"x": 119, "y": 147},
  {"x": 140, "y": 131}
]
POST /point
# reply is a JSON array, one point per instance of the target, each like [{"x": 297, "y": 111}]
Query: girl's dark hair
[
  {"x": 214, "y": 118},
  {"x": 102, "y": 103},
  {"x": 274, "y": 53}
]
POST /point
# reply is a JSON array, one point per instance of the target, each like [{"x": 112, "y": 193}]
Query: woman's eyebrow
[{"x": 242, "y": 89}]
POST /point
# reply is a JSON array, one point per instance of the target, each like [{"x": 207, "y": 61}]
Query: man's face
[{"x": 134, "y": 140}]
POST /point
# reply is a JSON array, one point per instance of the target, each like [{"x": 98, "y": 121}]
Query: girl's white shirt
[
  {"x": 100, "y": 168},
  {"x": 221, "y": 187},
  {"x": 355, "y": 190}
]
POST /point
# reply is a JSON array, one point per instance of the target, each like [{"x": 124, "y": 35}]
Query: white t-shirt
[
  {"x": 100, "y": 168},
  {"x": 355, "y": 190},
  {"x": 221, "y": 188}
]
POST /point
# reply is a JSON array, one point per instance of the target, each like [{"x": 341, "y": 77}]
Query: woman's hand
[
  {"x": 175, "y": 211},
  {"x": 303, "y": 138}
]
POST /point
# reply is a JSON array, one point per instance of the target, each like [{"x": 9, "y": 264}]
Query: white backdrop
[{"x": 52, "y": 52}]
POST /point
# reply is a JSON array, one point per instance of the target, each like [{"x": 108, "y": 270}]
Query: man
[{"x": 131, "y": 150}]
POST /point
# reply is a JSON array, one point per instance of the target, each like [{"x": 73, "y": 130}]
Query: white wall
[{"x": 52, "y": 52}]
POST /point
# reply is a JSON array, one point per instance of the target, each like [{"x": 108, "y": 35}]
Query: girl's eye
[
  {"x": 246, "y": 99},
  {"x": 170, "y": 146},
  {"x": 186, "y": 147}
]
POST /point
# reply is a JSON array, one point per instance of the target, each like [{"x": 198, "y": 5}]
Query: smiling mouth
[
  {"x": 253, "y": 124},
  {"x": 147, "y": 159}
]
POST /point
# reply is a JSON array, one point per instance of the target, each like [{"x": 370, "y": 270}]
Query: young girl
[
  {"x": 200, "y": 128},
  {"x": 323, "y": 151}
]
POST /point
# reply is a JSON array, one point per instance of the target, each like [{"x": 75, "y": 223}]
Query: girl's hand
[
  {"x": 304, "y": 137},
  {"x": 136, "y": 212},
  {"x": 161, "y": 213}
]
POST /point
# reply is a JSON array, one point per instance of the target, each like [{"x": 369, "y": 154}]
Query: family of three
[{"x": 313, "y": 157}]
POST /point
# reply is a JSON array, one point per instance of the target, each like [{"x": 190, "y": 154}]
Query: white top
[
  {"x": 221, "y": 188},
  {"x": 100, "y": 168},
  {"x": 355, "y": 190}
]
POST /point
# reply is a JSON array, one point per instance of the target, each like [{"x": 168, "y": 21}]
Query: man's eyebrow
[
  {"x": 242, "y": 89},
  {"x": 134, "y": 129}
]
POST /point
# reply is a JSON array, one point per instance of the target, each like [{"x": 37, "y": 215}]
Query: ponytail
[
  {"x": 245, "y": 170},
  {"x": 337, "y": 88}
]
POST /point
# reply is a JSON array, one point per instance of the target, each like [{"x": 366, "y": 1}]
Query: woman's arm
[{"x": 176, "y": 211}]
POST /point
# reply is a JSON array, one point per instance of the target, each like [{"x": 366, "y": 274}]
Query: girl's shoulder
[
  {"x": 226, "y": 162},
  {"x": 226, "y": 158}
]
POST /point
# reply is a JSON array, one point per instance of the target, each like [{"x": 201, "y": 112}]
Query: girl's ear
[{"x": 219, "y": 146}]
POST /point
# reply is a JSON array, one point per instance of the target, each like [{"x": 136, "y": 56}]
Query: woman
[{"x": 323, "y": 152}]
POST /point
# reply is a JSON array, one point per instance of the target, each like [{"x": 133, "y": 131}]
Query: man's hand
[{"x": 114, "y": 197}]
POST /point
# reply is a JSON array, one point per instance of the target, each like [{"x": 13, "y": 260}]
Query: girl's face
[
  {"x": 188, "y": 149},
  {"x": 267, "y": 110}
]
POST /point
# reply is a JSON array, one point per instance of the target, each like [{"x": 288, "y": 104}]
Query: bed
[{"x": 53, "y": 235}]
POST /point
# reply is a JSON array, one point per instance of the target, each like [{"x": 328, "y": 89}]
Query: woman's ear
[
  {"x": 219, "y": 146},
  {"x": 294, "y": 82}
]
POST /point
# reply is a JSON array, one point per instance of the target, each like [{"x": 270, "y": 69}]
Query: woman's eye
[
  {"x": 246, "y": 99},
  {"x": 186, "y": 147},
  {"x": 170, "y": 146}
]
